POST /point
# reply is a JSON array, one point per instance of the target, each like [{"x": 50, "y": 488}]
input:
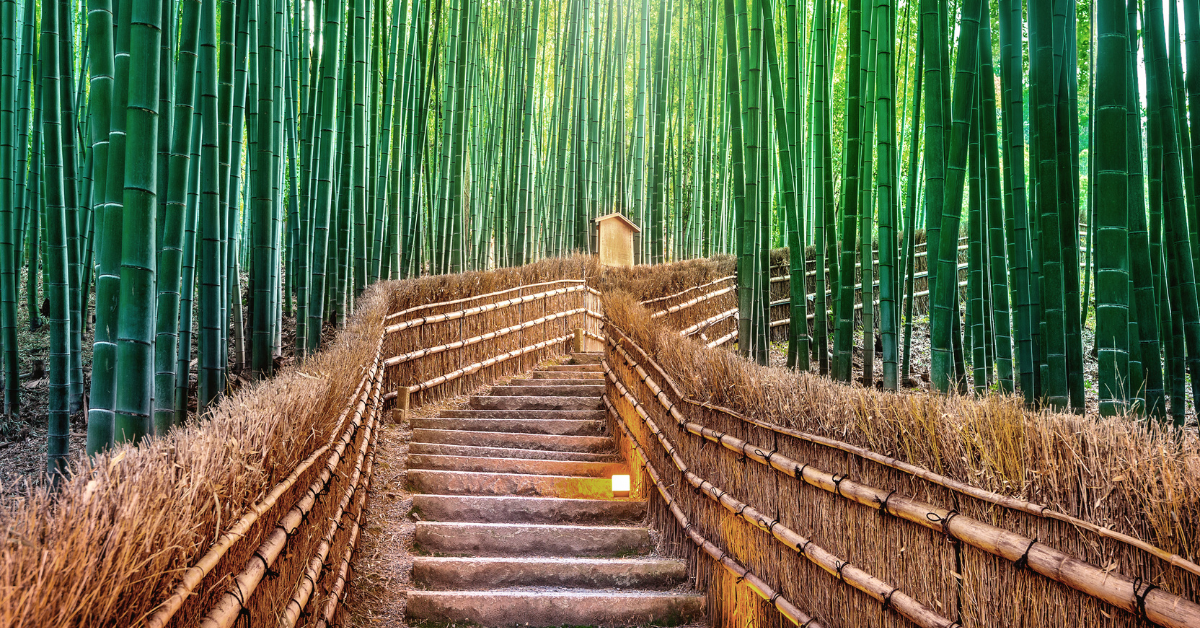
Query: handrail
[
  {"x": 686, "y": 304},
  {"x": 683, "y": 292},
  {"x": 458, "y": 344},
  {"x": 450, "y": 316},
  {"x": 481, "y": 296},
  {"x": 228, "y": 607},
  {"x": 467, "y": 370},
  {"x": 708, "y": 322}
]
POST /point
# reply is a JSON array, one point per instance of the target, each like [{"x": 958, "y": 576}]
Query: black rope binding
[
  {"x": 883, "y": 505},
  {"x": 1023, "y": 562},
  {"x": 803, "y": 549},
  {"x": 800, "y": 472},
  {"x": 840, "y": 567},
  {"x": 1140, "y": 598},
  {"x": 741, "y": 510},
  {"x": 887, "y": 599},
  {"x": 775, "y": 597},
  {"x": 808, "y": 623},
  {"x": 944, "y": 522},
  {"x": 837, "y": 483},
  {"x": 770, "y": 526}
]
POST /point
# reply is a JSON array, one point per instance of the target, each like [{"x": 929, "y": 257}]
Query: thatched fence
[
  {"x": 251, "y": 514},
  {"x": 800, "y": 501}
]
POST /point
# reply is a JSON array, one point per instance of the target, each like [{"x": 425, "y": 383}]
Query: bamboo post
[
  {"x": 403, "y": 402},
  {"x": 578, "y": 346}
]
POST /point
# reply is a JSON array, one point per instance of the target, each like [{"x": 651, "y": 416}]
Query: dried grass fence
[
  {"x": 797, "y": 500},
  {"x": 250, "y": 516}
]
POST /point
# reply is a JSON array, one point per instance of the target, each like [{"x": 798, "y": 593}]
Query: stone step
[
  {"x": 536, "y": 415},
  {"x": 570, "y": 374},
  {"x": 550, "y": 386},
  {"x": 556, "y": 608},
  {"x": 585, "y": 358},
  {"x": 524, "y": 539},
  {"x": 545, "y": 442},
  {"x": 517, "y": 465},
  {"x": 545, "y": 510},
  {"x": 560, "y": 427},
  {"x": 538, "y": 402},
  {"x": 440, "y": 482},
  {"x": 585, "y": 573},
  {"x": 589, "y": 368},
  {"x": 588, "y": 390},
  {"x": 505, "y": 452}
]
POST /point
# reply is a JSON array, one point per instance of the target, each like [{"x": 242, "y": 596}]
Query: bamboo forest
[{"x": 192, "y": 191}]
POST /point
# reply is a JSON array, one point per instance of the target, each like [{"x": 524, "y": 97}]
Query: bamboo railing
[{"x": 472, "y": 345}]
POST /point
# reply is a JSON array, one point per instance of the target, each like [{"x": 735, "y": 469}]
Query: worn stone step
[
  {"x": 587, "y": 390},
  {"x": 523, "y": 539},
  {"x": 549, "y": 386},
  {"x": 561, "y": 427},
  {"x": 590, "y": 368},
  {"x": 440, "y": 482},
  {"x": 506, "y": 452},
  {"x": 570, "y": 374},
  {"x": 535, "y": 415},
  {"x": 585, "y": 358},
  {"x": 586, "y": 573},
  {"x": 556, "y": 608},
  {"x": 547, "y": 442},
  {"x": 517, "y": 465},
  {"x": 544, "y": 510},
  {"x": 538, "y": 402}
]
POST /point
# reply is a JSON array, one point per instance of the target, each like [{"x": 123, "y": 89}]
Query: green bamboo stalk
[
  {"x": 135, "y": 325},
  {"x": 57, "y": 291},
  {"x": 945, "y": 294},
  {"x": 8, "y": 267},
  {"x": 170, "y": 260},
  {"x": 1111, "y": 226}
]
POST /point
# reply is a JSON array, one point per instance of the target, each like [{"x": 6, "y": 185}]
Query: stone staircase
[{"x": 517, "y": 524}]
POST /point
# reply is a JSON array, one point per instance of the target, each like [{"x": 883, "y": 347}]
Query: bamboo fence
[{"x": 854, "y": 536}]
